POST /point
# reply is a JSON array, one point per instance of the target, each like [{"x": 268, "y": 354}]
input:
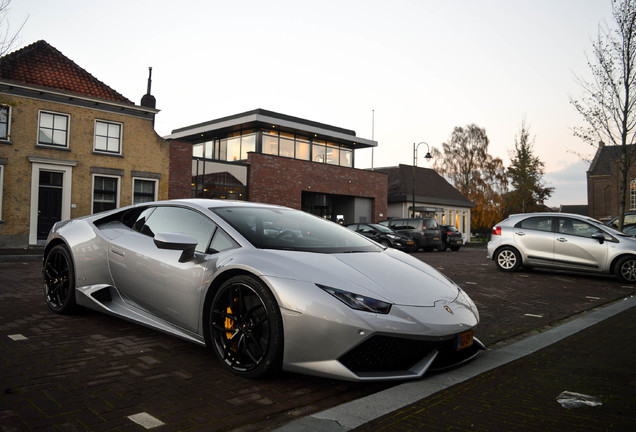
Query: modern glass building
[{"x": 265, "y": 156}]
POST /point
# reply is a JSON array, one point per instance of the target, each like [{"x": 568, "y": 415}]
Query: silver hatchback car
[{"x": 562, "y": 241}]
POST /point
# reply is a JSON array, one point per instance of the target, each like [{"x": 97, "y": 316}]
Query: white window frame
[
  {"x": 8, "y": 137},
  {"x": 119, "y": 138},
  {"x": 156, "y": 188},
  {"x": 68, "y": 129},
  {"x": 117, "y": 192}
]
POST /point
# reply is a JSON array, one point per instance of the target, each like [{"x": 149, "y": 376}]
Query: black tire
[
  {"x": 246, "y": 327},
  {"x": 385, "y": 243},
  {"x": 59, "y": 280},
  {"x": 454, "y": 248},
  {"x": 442, "y": 248},
  {"x": 626, "y": 269},
  {"x": 508, "y": 259}
]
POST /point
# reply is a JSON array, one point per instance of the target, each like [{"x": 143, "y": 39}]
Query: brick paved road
[{"x": 90, "y": 371}]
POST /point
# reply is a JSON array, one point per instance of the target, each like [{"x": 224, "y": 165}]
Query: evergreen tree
[{"x": 525, "y": 177}]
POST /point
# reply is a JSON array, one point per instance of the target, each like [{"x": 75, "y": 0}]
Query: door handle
[
  {"x": 520, "y": 233},
  {"x": 562, "y": 240},
  {"x": 118, "y": 251}
]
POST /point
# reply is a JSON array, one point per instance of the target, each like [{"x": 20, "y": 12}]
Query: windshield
[
  {"x": 288, "y": 229},
  {"x": 382, "y": 228}
]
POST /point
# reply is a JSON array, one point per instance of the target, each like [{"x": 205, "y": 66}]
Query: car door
[
  {"x": 153, "y": 279},
  {"x": 574, "y": 246},
  {"x": 535, "y": 239}
]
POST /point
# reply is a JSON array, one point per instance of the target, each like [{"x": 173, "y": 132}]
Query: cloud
[{"x": 569, "y": 183}]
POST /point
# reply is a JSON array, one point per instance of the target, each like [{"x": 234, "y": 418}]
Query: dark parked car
[
  {"x": 424, "y": 231},
  {"x": 451, "y": 238},
  {"x": 629, "y": 224},
  {"x": 384, "y": 235}
]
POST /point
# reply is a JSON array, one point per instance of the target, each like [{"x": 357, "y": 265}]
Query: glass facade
[
  {"x": 214, "y": 175},
  {"x": 237, "y": 145}
]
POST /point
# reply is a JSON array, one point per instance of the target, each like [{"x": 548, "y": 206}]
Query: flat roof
[{"x": 268, "y": 119}]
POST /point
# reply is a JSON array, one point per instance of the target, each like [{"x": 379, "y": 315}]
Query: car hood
[{"x": 389, "y": 275}]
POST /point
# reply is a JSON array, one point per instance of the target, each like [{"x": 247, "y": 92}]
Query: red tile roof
[{"x": 42, "y": 65}]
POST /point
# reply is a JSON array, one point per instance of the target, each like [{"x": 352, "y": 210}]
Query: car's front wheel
[
  {"x": 246, "y": 327},
  {"x": 626, "y": 269},
  {"x": 507, "y": 259},
  {"x": 59, "y": 280}
]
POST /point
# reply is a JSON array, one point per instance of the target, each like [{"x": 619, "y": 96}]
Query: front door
[{"x": 49, "y": 201}]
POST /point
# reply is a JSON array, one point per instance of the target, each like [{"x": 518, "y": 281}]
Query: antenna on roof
[{"x": 149, "y": 79}]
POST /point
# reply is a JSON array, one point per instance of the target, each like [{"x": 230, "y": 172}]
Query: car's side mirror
[
  {"x": 599, "y": 236},
  {"x": 177, "y": 241}
]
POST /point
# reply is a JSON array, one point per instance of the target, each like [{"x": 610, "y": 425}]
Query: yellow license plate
[
  {"x": 464, "y": 340},
  {"x": 410, "y": 243}
]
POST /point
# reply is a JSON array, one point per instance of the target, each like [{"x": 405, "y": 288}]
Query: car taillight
[{"x": 496, "y": 230}]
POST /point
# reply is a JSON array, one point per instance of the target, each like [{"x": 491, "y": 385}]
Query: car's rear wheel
[
  {"x": 626, "y": 269},
  {"x": 454, "y": 248},
  {"x": 59, "y": 280},
  {"x": 507, "y": 259},
  {"x": 246, "y": 327}
]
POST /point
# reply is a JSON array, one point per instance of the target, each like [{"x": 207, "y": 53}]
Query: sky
[{"x": 399, "y": 72}]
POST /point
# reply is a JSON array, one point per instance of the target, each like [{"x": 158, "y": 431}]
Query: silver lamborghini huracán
[{"x": 267, "y": 287}]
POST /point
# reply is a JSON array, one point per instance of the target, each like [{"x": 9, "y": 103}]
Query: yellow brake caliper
[{"x": 229, "y": 325}]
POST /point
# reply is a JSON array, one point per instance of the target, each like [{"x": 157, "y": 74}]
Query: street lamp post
[{"x": 427, "y": 157}]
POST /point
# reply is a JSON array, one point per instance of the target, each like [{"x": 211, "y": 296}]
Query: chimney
[{"x": 149, "y": 100}]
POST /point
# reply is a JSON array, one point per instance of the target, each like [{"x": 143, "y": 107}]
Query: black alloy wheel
[
  {"x": 246, "y": 327},
  {"x": 59, "y": 280}
]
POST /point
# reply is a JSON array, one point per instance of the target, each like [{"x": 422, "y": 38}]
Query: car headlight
[
  {"x": 357, "y": 301},
  {"x": 392, "y": 236}
]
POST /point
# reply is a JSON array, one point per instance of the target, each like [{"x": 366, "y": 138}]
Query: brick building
[
  {"x": 269, "y": 157},
  {"x": 603, "y": 183},
  {"x": 70, "y": 145},
  {"x": 422, "y": 192}
]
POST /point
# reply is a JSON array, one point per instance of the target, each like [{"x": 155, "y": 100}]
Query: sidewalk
[{"x": 596, "y": 360}]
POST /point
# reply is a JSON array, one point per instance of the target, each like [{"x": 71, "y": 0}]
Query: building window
[
  {"x": 105, "y": 193},
  {"x": 632, "y": 195},
  {"x": 270, "y": 143},
  {"x": 107, "y": 137},
  {"x": 53, "y": 129},
  {"x": 302, "y": 148},
  {"x": 5, "y": 123},
  {"x": 144, "y": 190}
]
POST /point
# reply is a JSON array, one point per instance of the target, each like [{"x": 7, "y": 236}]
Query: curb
[{"x": 358, "y": 412}]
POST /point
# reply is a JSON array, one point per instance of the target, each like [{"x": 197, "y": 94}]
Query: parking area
[{"x": 91, "y": 372}]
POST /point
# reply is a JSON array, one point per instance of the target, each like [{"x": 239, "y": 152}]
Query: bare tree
[
  {"x": 609, "y": 100},
  {"x": 8, "y": 36},
  {"x": 465, "y": 162}
]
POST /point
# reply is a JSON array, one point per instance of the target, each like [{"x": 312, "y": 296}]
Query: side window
[
  {"x": 431, "y": 224},
  {"x": 541, "y": 223},
  {"x": 222, "y": 242},
  {"x": 577, "y": 227},
  {"x": 183, "y": 221}
]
